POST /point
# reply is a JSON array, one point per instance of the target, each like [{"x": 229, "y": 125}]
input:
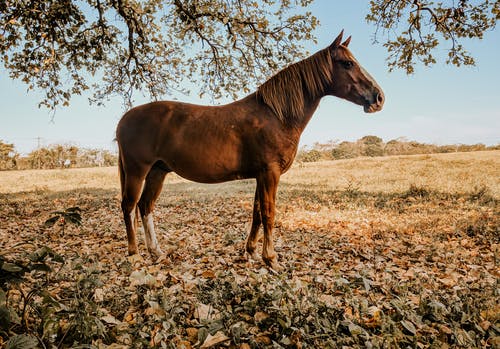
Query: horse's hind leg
[
  {"x": 150, "y": 193},
  {"x": 131, "y": 189}
]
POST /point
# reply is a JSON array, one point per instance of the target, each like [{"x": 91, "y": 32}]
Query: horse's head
[{"x": 351, "y": 81}]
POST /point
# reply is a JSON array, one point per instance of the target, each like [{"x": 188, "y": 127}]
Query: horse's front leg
[
  {"x": 251, "y": 242},
  {"x": 267, "y": 186}
]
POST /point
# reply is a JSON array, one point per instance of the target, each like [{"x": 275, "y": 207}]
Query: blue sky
[{"x": 441, "y": 104}]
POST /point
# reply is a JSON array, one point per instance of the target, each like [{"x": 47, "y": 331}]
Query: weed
[
  {"x": 32, "y": 313},
  {"x": 352, "y": 189},
  {"x": 416, "y": 192},
  {"x": 68, "y": 216},
  {"x": 481, "y": 195}
]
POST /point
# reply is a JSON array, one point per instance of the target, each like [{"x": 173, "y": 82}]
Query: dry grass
[
  {"x": 381, "y": 252},
  {"x": 451, "y": 173}
]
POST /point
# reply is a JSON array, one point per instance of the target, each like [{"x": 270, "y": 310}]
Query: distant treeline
[
  {"x": 54, "y": 156},
  {"x": 375, "y": 146},
  {"x": 69, "y": 156}
]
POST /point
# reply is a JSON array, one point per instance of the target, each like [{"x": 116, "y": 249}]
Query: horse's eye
[{"x": 347, "y": 64}]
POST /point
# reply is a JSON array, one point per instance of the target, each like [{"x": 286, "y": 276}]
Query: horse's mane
[{"x": 286, "y": 92}]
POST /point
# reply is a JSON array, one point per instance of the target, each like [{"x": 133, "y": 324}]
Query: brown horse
[{"x": 255, "y": 137}]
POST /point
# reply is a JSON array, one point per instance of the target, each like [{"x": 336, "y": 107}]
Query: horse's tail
[{"x": 121, "y": 171}]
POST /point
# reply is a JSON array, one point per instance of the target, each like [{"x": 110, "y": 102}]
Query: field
[{"x": 387, "y": 252}]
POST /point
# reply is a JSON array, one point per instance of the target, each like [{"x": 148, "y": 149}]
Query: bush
[
  {"x": 55, "y": 156},
  {"x": 310, "y": 156},
  {"x": 374, "y": 146}
]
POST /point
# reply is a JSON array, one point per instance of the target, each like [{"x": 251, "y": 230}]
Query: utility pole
[{"x": 38, "y": 150}]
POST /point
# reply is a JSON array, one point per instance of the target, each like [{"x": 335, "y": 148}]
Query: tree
[
  {"x": 53, "y": 156},
  {"x": 64, "y": 47},
  {"x": 119, "y": 47},
  {"x": 8, "y": 156},
  {"x": 415, "y": 28},
  {"x": 371, "y": 145}
]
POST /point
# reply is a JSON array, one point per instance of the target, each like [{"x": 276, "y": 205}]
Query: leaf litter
[{"x": 362, "y": 270}]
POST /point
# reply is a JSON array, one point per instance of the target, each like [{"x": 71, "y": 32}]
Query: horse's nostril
[{"x": 380, "y": 98}]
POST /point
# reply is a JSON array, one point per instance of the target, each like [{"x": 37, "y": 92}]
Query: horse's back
[{"x": 200, "y": 143}]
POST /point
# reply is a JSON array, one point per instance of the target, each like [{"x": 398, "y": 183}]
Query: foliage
[
  {"x": 23, "y": 281},
  {"x": 151, "y": 45},
  {"x": 8, "y": 156},
  {"x": 119, "y": 47},
  {"x": 70, "y": 156},
  {"x": 34, "y": 315},
  {"x": 310, "y": 156},
  {"x": 372, "y": 146},
  {"x": 415, "y": 29},
  {"x": 54, "y": 156}
]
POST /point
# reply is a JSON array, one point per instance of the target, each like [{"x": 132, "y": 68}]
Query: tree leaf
[
  {"x": 22, "y": 341},
  {"x": 51, "y": 221},
  {"x": 74, "y": 209},
  {"x": 4, "y": 317},
  {"x": 409, "y": 327},
  {"x": 41, "y": 267},
  {"x": 11, "y": 267}
]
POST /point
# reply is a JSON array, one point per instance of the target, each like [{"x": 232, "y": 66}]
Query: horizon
[{"x": 303, "y": 147}]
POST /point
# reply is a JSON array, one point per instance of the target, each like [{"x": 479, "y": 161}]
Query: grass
[
  {"x": 452, "y": 172},
  {"x": 380, "y": 252}
]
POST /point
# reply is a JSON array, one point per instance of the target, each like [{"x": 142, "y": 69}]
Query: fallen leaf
[
  {"x": 485, "y": 325},
  {"x": 130, "y": 317},
  {"x": 109, "y": 319},
  {"x": 192, "y": 334},
  {"x": 217, "y": 338},
  {"x": 205, "y": 312},
  {"x": 374, "y": 318},
  {"x": 409, "y": 326},
  {"x": 99, "y": 294},
  {"x": 263, "y": 340},
  {"x": 260, "y": 316},
  {"x": 208, "y": 274}
]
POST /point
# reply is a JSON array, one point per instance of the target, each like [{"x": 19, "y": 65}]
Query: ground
[{"x": 377, "y": 252}]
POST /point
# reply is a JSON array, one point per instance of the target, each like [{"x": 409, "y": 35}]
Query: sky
[{"x": 440, "y": 104}]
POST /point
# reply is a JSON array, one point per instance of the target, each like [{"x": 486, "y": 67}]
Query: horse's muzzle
[{"x": 375, "y": 104}]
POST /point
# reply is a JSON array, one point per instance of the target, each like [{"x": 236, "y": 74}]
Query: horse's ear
[
  {"x": 347, "y": 41},
  {"x": 337, "y": 41}
]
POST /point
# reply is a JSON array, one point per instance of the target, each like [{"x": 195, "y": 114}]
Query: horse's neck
[
  {"x": 297, "y": 127},
  {"x": 309, "y": 109}
]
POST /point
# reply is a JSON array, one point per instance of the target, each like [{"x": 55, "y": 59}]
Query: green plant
[
  {"x": 76, "y": 318},
  {"x": 30, "y": 313},
  {"x": 70, "y": 215},
  {"x": 22, "y": 280}
]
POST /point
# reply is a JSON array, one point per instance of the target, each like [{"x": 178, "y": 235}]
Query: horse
[{"x": 255, "y": 137}]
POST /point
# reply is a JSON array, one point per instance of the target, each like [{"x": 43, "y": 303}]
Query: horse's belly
[
  {"x": 208, "y": 167},
  {"x": 209, "y": 176}
]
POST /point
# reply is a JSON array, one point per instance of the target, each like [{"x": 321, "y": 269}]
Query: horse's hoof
[
  {"x": 162, "y": 259},
  {"x": 273, "y": 264},
  {"x": 156, "y": 253},
  {"x": 135, "y": 259},
  {"x": 250, "y": 256}
]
